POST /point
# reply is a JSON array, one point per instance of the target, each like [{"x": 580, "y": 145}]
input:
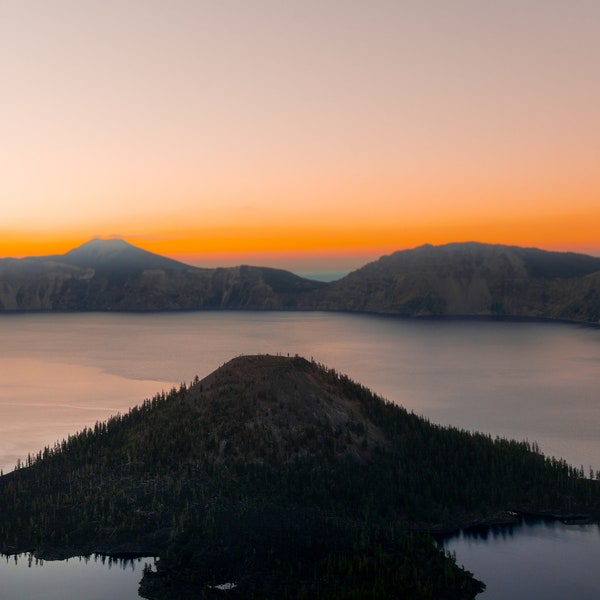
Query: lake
[
  {"x": 536, "y": 381},
  {"x": 535, "y": 559}
]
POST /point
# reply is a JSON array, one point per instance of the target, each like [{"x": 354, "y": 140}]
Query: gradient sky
[{"x": 308, "y": 134}]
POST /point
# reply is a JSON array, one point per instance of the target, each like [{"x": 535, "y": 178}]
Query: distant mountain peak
[
  {"x": 101, "y": 247},
  {"x": 116, "y": 253},
  {"x": 106, "y": 243}
]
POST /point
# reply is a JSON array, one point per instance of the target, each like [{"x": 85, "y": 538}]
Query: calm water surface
[
  {"x": 59, "y": 373},
  {"x": 23, "y": 577},
  {"x": 522, "y": 380},
  {"x": 547, "y": 560}
]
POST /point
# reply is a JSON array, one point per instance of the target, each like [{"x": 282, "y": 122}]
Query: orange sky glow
[{"x": 303, "y": 135}]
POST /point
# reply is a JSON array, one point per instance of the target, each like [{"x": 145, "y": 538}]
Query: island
[{"x": 278, "y": 477}]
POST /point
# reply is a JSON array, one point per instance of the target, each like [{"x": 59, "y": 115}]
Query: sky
[{"x": 308, "y": 135}]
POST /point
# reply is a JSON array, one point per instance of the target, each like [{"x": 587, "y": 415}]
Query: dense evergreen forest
[{"x": 285, "y": 477}]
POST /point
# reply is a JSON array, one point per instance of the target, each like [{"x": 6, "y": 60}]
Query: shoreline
[
  {"x": 403, "y": 316},
  {"x": 138, "y": 549}
]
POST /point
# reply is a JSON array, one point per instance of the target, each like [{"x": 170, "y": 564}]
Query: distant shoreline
[{"x": 458, "y": 318}]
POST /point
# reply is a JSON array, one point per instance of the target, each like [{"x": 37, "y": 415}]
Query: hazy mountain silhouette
[{"x": 116, "y": 254}]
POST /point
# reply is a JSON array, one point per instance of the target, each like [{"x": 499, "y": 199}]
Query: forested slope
[{"x": 285, "y": 477}]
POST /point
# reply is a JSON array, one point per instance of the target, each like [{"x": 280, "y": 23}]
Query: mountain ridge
[
  {"x": 458, "y": 279},
  {"x": 474, "y": 279}
]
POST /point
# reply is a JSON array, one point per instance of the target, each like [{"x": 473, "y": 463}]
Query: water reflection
[
  {"x": 524, "y": 524},
  {"x": 27, "y": 576},
  {"x": 124, "y": 563},
  {"x": 484, "y": 533}
]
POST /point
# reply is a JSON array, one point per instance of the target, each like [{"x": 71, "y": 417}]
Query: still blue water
[
  {"x": 536, "y": 559},
  {"x": 59, "y": 373}
]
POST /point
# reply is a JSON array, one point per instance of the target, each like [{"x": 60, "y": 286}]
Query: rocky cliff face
[
  {"x": 34, "y": 284},
  {"x": 473, "y": 279},
  {"x": 113, "y": 275}
]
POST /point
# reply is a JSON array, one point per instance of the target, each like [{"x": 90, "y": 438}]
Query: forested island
[
  {"x": 285, "y": 478},
  {"x": 462, "y": 279}
]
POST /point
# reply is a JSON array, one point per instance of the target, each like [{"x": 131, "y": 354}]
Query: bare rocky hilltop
[{"x": 462, "y": 279}]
